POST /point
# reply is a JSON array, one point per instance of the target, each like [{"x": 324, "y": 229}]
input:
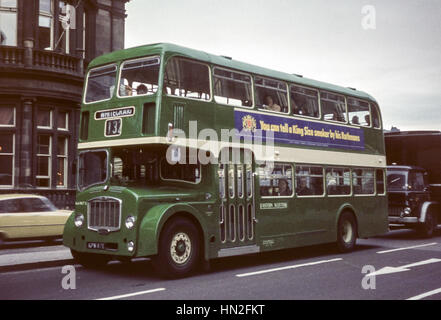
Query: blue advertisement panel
[{"x": 299, "y": 131}]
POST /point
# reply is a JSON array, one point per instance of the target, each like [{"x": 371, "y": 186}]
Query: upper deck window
[
  {"x": 232, "y": 88},
  {"x": 358, "y": 111},
  {"x": 100, "y": 83},
  {"x": 304, "y": 101},
  {"x": 139, "y": 77},
  {"x": 186, "y": 78},
  {"x": 375, "y": 116},
  {"x": 271, "y": 95},
  {"x": 333, "y": 106}
]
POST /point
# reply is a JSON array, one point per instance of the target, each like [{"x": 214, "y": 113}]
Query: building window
[
  {"x": 63, "y": 120},
  {"x": 62, "y": 147},
  {"x": 7, "y": 116},
  {"x": 44, "y": 118},
  {"x": 7, "y": 159},
  {"x": 8, "y": 22},
  {"x": 44, "y": 146},
  {"x": 46, "y": 25}
]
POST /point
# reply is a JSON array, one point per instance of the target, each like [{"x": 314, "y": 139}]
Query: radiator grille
[
  {"x": 395, "y": 211},
  {"x": 104, "y": 213}
]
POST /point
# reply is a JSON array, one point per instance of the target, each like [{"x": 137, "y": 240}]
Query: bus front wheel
[
  {"x": 178, "y": 249},
  {"x": 427, "y": 228},
  {"x": 346, "y": 232}
]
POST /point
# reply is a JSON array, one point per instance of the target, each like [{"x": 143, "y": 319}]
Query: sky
[{"x": 390, "y": 49}]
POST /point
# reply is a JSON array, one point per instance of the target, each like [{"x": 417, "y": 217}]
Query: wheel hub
[{"x": 180, "y": 248}]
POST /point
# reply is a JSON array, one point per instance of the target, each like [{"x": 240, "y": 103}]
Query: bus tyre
[
  {"x": 427, "y": 228},
  {"x": 346, "y": 232},
  {"x": 178, "y": 249},
  {"x": 90, "y": 260}
]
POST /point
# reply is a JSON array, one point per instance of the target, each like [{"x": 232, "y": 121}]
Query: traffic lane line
[
  {"x": 287, "y": 267},
  {"x": 407, "y": 248},
  {"x": 425, "y": 294},
  {"x": 132, "y": 294}
]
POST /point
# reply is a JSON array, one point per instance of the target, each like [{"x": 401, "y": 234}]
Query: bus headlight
[
  {"x": 79, "y": 220},
  {"x": 130, "y": 222},
  {"x": 130, "y": 246}
]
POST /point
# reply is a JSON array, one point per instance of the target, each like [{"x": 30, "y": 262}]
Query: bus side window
[
  {"x": 309, "y": 181},
  {"x": 186, "y": 78},
  {"x": 271, "y": 95},
  {"x": 304, "y": 101},
  {"x": 358, "y": 112},
  {"x": 232, "y": 88},
  {"x": 276, "y": 182},
  {"x": 338, "y": 181},
  {"x": 375, "y": 116},
  {"x": 379, "y": 175},
  {"x": 333, "y": 106}
]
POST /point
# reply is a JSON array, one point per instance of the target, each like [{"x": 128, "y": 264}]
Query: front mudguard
[
  {"x": 151, "y": 226},
  {"x": 426, "y": 207}
]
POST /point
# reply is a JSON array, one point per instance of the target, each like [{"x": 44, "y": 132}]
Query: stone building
[{"x": 45, "y": 46}]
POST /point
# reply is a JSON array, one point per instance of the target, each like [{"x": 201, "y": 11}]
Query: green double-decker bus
[{"x": 186, "y": 156}]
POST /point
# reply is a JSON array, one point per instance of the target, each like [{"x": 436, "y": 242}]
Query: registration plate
[{"x": 96, "y": 245}]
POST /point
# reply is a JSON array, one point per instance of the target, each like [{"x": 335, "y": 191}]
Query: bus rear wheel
[
  {"x": 90, "y": 260},
  {"x": 346, "y": 232},
  {"x": 178, "y": 249}
]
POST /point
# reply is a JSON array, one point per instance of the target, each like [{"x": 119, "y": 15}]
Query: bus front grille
[
  {"x": 104, "y": 213},
  {"x": 395, "y": 211}
]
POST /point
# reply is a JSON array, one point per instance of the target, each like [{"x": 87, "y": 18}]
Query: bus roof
[{"x": 159, "y": 48}]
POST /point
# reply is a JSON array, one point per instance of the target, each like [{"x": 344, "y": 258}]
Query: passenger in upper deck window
[
  {"x": 141, "y": 89},
  {"x": 355, "y": 120},
  {"x": 270, "y": 105},
  {"x": 368, "y": 120}
]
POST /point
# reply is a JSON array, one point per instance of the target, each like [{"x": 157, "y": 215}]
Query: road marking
[
  {"x": 132, "y": 294},
  {"x": 406, "y": 248},
  {"x": 286, "y": 268},
  {"x": 388, "y": 270},
  {"x": 425, "y": 295}
]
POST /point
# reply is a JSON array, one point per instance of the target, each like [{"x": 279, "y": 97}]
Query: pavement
[{"x": 397, "y": 266}]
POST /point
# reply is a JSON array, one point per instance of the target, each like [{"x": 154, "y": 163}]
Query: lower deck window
[
  {"x": 338, "y": 181},
  {"x": 182, "y": 172},
  {"x": 276, "y": 181},
  {"x": 363, "y": 181},
  {"x": 309, "y": 181}
]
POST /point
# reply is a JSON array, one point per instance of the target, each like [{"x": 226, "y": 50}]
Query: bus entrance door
[{"x": 236, "y": 209}]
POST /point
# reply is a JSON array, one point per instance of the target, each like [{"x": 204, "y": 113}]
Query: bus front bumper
[{"x": 403, "y": 220}]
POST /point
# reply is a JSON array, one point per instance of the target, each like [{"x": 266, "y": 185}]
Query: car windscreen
[
  {"x": 92, "y": 168},
  {"x": 100, "y": 83},
  {"x": 396, "y": 181},
  {"x": 36, "y": 205}
]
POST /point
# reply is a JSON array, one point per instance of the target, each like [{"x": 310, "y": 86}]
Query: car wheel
[
  {"x": 90, "y": 260},
  {"x": 178, "y": 249},
  {"x": 346, "y": 232},
  {"x": 428, "y": 227}
]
